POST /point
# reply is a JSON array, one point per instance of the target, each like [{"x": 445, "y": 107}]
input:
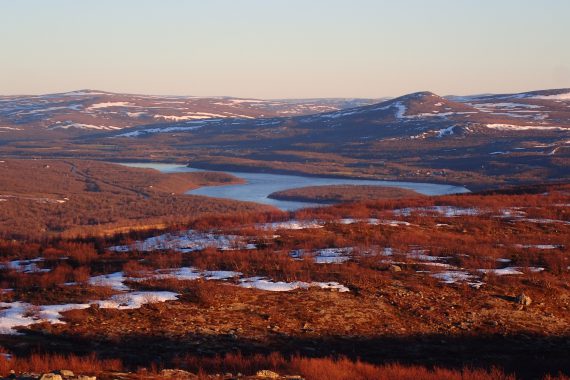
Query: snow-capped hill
[
  {"x": 78, "y": 112},
  {"x": 553, "y": 94},
  {"x": 417, "y": 116},
  {"x": 425, "y": 104},
  {"x": 421, "y": 96},
  {"x": 559, "y": 94},
  {"x": 403, "y": 109},
  {"x": 546, "y": 109}
]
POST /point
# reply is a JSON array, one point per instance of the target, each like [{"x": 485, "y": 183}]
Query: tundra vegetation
[{"x": 471, "y": 286}]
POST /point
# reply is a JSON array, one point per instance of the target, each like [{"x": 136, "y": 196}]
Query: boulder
[
  {"x": 523, "y": 299},
  {"x": 176, "y": 374},
  {"x": 50, "y": 376},
  {"x": 267, "y": 374},
  {"x": 65, "y": 373}
]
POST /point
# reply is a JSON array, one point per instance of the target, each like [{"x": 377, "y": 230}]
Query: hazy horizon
[
  {"x": 261, "y": 98},
  {"x": 284, "y": 49}
]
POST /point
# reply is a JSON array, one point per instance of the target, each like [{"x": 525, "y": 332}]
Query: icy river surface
[{"x": 258, "y": 186}]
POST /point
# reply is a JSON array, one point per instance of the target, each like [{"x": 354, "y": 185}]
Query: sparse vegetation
[
  {"x": 85, "y": 198},
  {"x": 397, "y": 309},
  {"x": 343, "y": 194}
]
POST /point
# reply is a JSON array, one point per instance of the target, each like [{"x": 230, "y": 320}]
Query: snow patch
[
  {"x": 280, "y": 286},
  {"x": 134, "y": 300},
  {"x": 564, "y": 96},
  {"x": 110, "y": 104},
  {"x": 510, "y": 127},
  {"x": 113, "y": 280},
  {"x": 452, "y": 277},
  {"x": 400, "y": 110},
  {"x": 25, "y": 266},
  {"x": 143, "y": 132},
  {"x": 136, "y": 114},
  {"x": 506, "y": 105},
  {"x": 538, "y": 246},
  {"x": 186, "y": 241},
  {"x": 85, "y": 126},
  {"x": 14, "y": 314},
  {"x": 510, "y": 270},
  {"x": 444, "y": 132},
  {"x": 448, "y": 211},
  {"x": 290, "y": 225},
  {"x": 325, "y": 255}
]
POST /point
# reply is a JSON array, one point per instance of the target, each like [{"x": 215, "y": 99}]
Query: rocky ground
[
  {"x": 448, "y": 324},
  {"x": 164, "y": 374}
]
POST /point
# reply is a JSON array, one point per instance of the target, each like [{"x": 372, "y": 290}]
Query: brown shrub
[
  {"x": 48, "y": 362},
  {"x": 135, "y": 269},
  {"x": 330, "y": 369}
]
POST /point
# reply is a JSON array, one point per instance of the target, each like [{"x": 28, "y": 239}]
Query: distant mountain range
[
  {"x": 417, "y": 115},
  {"x": 480, "y": 140},
  {"x": 84, "y": 111}
]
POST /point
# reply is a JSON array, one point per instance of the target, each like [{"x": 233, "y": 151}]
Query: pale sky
[{"x": 284, "y": 48}]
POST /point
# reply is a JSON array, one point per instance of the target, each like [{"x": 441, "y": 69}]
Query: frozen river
[{"x": 258, "y": 186}]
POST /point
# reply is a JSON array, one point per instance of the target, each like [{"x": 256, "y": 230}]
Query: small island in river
[{"x": 342, "y": 193}]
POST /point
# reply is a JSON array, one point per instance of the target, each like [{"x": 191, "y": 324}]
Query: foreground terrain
[{"x": 467, "y": 283}]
